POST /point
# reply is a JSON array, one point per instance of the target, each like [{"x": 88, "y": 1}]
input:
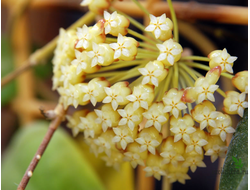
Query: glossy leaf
[
  {"x": 62, "y": 167},
  {"x": 234, "y": 173}
]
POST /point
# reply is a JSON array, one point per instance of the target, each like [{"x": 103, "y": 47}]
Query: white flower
[
  {"x": 66, "y": 75},
  {"x": 181, "y": 177},
  {"x": 84, "y": 36},
  {"x": 88, "y": 128},
  {"x": 147, "y": 143},
  {"x": 193, "y": 162},
  {"x": 72, "y": 96},
  {"x": 222, "y": 128},
  {"x": 238, "y": 103},
  {"x": 122, "y": 137},
  {"x": 113, "y": 97},
  {"x": 182, "y": 132},
  {"x": 216, "y": 151},
  {"x": 110, "y": 21},
  {"x": 150, "y": 74},
  {"x": 168, "y": 51},
  {"x": 73, "y": 124},
  {"x": 96, "y": 54},
  {"x": 174, "y": 105},
  {"x": 155, "y": 119},
  {"x": 79, "y": 62},
  {"x": 207, "y": 117},
  {"x": 171, "y": 157},
  {"x": 154, "y": 171},
  {"x": 128, "y": 118},
  {"x": 103, "y": 119},
  {"x": 157, "y": 24},
  {"x": 206, "y": 90},
  {"x": 121, "y": 47},
  {"x": 103, "y": 146},
  {"x": 134, "y": 159},
  {"x": 196, "y": 144},
  {"x": 138, "y": 98},
  {"x": 90, "y": 93},
  {"x": 225, "y": 60}
]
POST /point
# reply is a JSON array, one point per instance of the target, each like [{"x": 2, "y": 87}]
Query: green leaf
[
  {"x": 9, "y": 90},
  {"x": 234, "y": 176},
  {"x": 235, "y": 159},
  {"x": 62, "y": 167}
]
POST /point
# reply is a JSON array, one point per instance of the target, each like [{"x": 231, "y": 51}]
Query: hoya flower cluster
[{"x": 165, "y": 119}]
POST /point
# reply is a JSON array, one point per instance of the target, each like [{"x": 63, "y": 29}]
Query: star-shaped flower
[
  {"x": 178, "y": 176},
  {"x": 169, "y": 52},
  {"x": 222, "y": 59},
  {"x": 138, "y": 98},
  {"x": 206, "y": 115},
  {"x": 238, "y": 103},
  {"x": 173, "y": 103},
  {"x": 121, "y": 47},
  {"x": 128, "y": 118},
  {"x": 134, "y": 159},
  {"x": 88, "y": 128},
  {"x": 110, "y": 21},
  {"x": 112, "y": 97},
  {"x": 96, "y": 55},
  {"x": 114, "y": 160},
  {"x": 150, "y": 74},
  {"x": 84, "y": 36},
  {"x": 103, "y": 119},
  {"x": 74, "y": 125},
  {"x": 80, "y": 61},
  {"x": 205, "y": 90},
  {"x": 171, "y": 157},
  {"x": 223, "y": 126},
  {"x": 155, "y": 116},
  {"x": 157, "y": 24},
  {"x": 147, "y": 143},
  {"x": 216, "y": 151},
  {"x": 154, "y": 171},
  {"x": 90, "y": 93},
  {"x": 122, "y": 136},
  {"x": 66, "y": 75},
  {"x": 194, "y": 162},
  {"x": 196, "y": 144},
  {"x": 72, "y": 95},
  {"x": 103, "y": 145}
]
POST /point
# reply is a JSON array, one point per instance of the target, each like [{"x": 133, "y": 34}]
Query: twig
[
  {"x": 15, "y": 73},
  {"x": 41, "y": 54},
  {"x": 184, "y": 10},
  {"x": 191, "y": 11},
  {"x": 53, "y": 126}
]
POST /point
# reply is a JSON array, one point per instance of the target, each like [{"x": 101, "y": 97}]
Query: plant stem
[
  {"x": 206, "y": 68},
  {"x": 136, "y": 34},
  {"x": 173, "y": 16},
  {"x": 196, "y": 58},
  {"x": 166, "y": 84},
  {"x": 41, "y": 54},
  {"x": 52, "y": 127},
  {"x": 141, "y": 7},
  {"x": 15, "y": 73},
  {"x": 176, "y": 76}
]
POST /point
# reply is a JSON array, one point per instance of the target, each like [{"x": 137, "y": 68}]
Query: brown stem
[
  {"x": 52, "y": 127},
  {"x": 15, "y": 73},
  {"x": 184, "y": 10}
]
